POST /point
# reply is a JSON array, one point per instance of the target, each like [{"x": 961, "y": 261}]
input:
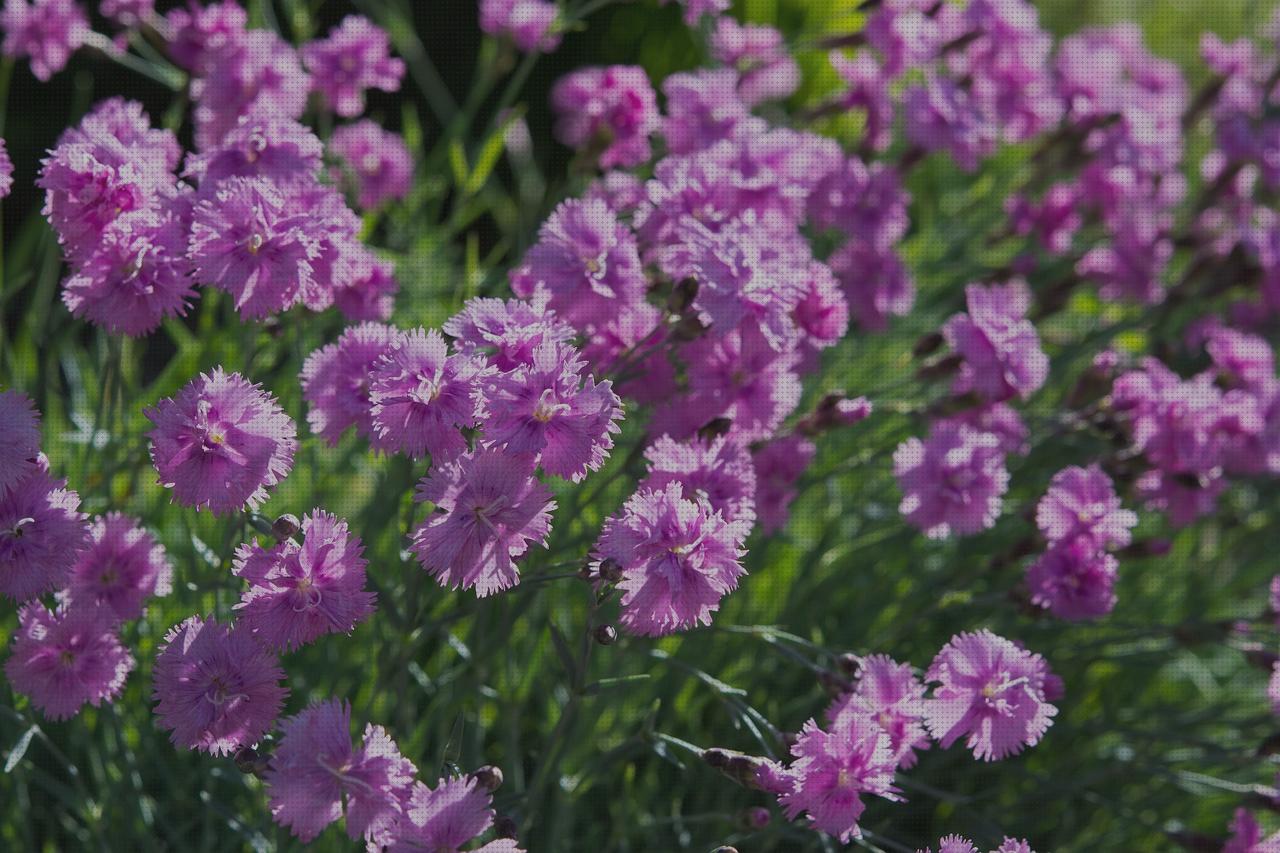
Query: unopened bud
[
  {"x": 488, "y": 777},
  {"x": 756, "y": 817},
  {"x": 285, "y": 526},
  {"x": 605, "y": 635},
  {"x": 505, "y": 827},
  {"x": 833, "y": 684},
  {"x": 251, "y": 762},
  {"x": 927, "y": 344},
  {"x": 609, "y": 570},
  {"x": 716, "y": 757},
  {"x": 683, "y": 293},
  {"x": 849, "y": 664},
  {"x": 715, "y": 428},
  {"x": 1262, "y": 659},
  {"x": 689, "y": 328}
]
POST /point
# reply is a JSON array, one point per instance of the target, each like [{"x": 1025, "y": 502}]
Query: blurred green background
[{"x": 1161, "y": 719}]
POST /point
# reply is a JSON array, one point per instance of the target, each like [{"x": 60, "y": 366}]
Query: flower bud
[
  {"x": 715, "y": 428},
  {"x": 927, "y": 344},
  {"x": 610, "y": 570},
  {"x": 849, "y": 664},
  {"x": 833, "y": 684},
  {"x": 755, "y": 818},
  {"x": 689, "y": 328},
  {"x": 488, "y": 777},
  {"x": 285, "y": 526},
  {"x": 682, "y": 295},
  {"x": 725, "y": 848},
  {"x": 505, "y": 827},
  {"x": 605, "y": 635}
]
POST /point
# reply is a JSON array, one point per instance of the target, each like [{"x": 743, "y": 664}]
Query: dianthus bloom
[
  {"x": 356, "y": 56},
  {"x": 64, "y": 659},
  {"x": 221, "y": 442},
  {"x": 1083, "y": 502},
  {"x": 529, "y": 23},
  {"x": 298, "y": 593},
  {"x": 952, "y": 483},
  {"x": 679, "y": 558},
  {"x": 121, "y": 566},
  {"x": 833, "y": 769},
  {"x": 1246, "y": 836},
  {"x": 137, "y": 276},
  {"x": 421, "y": 396},
  {"x": 990, "y": 690},
  {"x": 759, "y": 54},
  {"x": 612, "y": 110},
  {"x": 253, "y": 72},
  {"x": 444, "y": 818},
  {"x": 41, "y": 532},
  {"x": 128, "y": 12},
  {"x": 718, "y": 471},
  {"x": 953, "y": 844},
  {"x": 335, "y": 381},
  {"x": 19, "y": 438},
  {"x": 556, "y": 410},
  {"x": 888, "y": 693},
  {"x": 1000, "y": 346},
  {"x": 1074, "y": 580},
  {"x": 245, "y": 240},
  {"x": 779, "y": 465},
  {"x": 586, "y": 265},
  {"x": 315, "y": 767},
  {"x": 6, "y": 170},
  {"x": 492, "y": 508},
  {"x": 380, "y": 161},
  {"x": 217, "y": 689},
  {"x": 266, "y": 146},
  {"x": 47, "y": 31},
  {"x": 506, "y": 331}
]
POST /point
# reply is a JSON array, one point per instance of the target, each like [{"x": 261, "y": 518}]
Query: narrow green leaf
[
  {"x": 20, "y": 749},
  {"x": 458, "y": 163}
]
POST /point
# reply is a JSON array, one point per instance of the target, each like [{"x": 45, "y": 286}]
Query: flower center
[
  {"x": 20, "y": 527},
  {"x": 548, "y": 407},
  {"x": 256, "y": 241},
  {"x": 66, "y": 658}
]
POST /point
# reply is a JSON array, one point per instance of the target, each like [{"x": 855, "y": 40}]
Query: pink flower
[
  {"x": 370, "y": 293},
  {"x": 493, "y": 507},
  {"x": 315, "y": 768},
  {"x": 379, "y": 159},
  {"x": 47, "y": 31},
  {"x": 253, "y": 72},
  {"x": 953, "y": 844},
  {"x": 1074, "y": 579},
  {"x": 718, "y": 471},
  {"x": 19, "y": 438},
  {"x": 679, "y": 558},
  {"x": 221, "y": 442},
  {"x": 888, "y": 693},
  {"x": 529, "y": 23},
  {"x": 506, "y": 331},
  {"x": 41, "y": 533},
  {"x": 759, "y": 54},
  {"x": 833, "y": 769},
  {"x": 121, "y": 566},
  {"x": 421, "y": 396},
  {"x": 354, "y": 57},
  {"x": 64, "y": 659},
  {"x": 553, "y": 409},
  {"x": 779, "y": 464},
  {"x": 1083, "y": 502},
  {"x": 298, "y": 593},
  {"x": 216, "y": 688},
  {"x": 953, "y": 482},
  {"x": 990, "y": 690},
  {"x": 6, "y": 170},
  {"x": 246, "y": 240},
  {"x": 1000, "y": 346},
  {"x": 443, "y": 819},
  {"x": 259, "y": 146},
  {"x": 614, "y": 108},
  {"x": 335, "y": 381},
  {"x": 1246, "y": 836}
]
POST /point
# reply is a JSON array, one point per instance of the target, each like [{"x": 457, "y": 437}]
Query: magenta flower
[
  {"x": 703, "y": 108},
  {"x": 1014, "y": 845},
  {"x": 611, "y": 110},
  {"x": 718, "y": 471},
  {"x": 298, "y": 593},
  {"x": 679, "y": 558},
  {"x": 64, "y": 659},
  {"x": 888, "y": 693},
  {"x": 990, "y": 690},
  {"x": 868, "y": 93},
  {"x": 1074, "y": 579},
  {"x": 1081, "y": 502},
  {"x": 245, "y": 240},
  {"x": 205, "y": 35},
  {"x": 1003, "y": 421},
  {"x": 876, "y": 283},
  {"x": 550, "y": 409},
  {"x": 953, "y": 483},
  {"x": 216, "y": 688},
  {"x": 128, "y": 13},
  {"x": 379, "y": 159},
  {"x": 254, "y": 72},
  {"x": 1000, "y": 346},
  {"x": 138, "y": 275},
  {"x": 1246, "y": 836},
  {"x": 821, "y": 314},
  {"x": 221, "y": 442},
  {"x": 942, "y": 115},
  {"x": 19, "y": 438},
  {"x": 264, "y": 146},
  {"x": 6, "y": 170},
  {"x": 759, "y": 54},
  {"x": 779, "y": 464},
  {"x": 444, "y": 818},
  {"x": 953, "y": 844},
  {"x": 335, "y": 381},
  {"x": 316, "y": 767},
  {"x": 421, "y": 396},
  {"x": 47, "y": 31},
  {"x": 530, "y": 24},
  {"x": 833, "y": 769},
  {"x": 506, "y": 331},
  {"x": 41, "y": 533},
  {"x": 492, "y": 508},
  {"x": 121, "y": 566},
  {"x": 586, "y": 262},
  {"x": 370, "y": 293},
  {"x": 355, "y": 56}
]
